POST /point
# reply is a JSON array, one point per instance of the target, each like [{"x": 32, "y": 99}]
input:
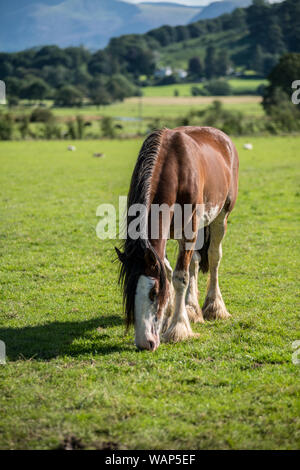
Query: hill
[
  {"x": 31, "y": 23},
  {"x": 253, "y": 37},
  {"x": 88, "y": 22},
  {"x": 216, "y": 9}
]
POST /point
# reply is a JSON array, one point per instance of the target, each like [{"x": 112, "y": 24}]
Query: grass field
[
  {"x": 71, "y": 370},
  {"x": 162, "y": 108},
  {"x": 168, "y": 106},
  {"x": 150, "y": 108},
  {"x": 184, "y": 89}
]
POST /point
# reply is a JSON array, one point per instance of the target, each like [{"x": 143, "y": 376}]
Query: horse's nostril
[{"x": 151, "y": 345}]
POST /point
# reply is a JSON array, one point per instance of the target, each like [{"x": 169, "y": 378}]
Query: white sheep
[{"x": 248, "y": 146}]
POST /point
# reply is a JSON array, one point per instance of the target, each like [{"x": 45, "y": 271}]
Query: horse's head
[{"x": 145, "y": 295}]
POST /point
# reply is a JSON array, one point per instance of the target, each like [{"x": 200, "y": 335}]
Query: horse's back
[
  {"x": 211, "y": 155},
  {"x": 211, "y": 142}
]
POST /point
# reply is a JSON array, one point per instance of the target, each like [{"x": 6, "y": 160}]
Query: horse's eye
[{"x": 153, "y": 293}]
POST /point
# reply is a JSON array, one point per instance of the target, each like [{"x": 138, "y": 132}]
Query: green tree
[
  {"x": 100, "y": 96},
  {"x": 13, "y": 87},
  {"x": 258, "y": 60},
  {"x": 222, "y": 63},
  {"x": 6, "y": 126},
  {"x": 219, "y": 87},
  {"x": 101, "y": 63},
  {"x": 41, "y": 114},
  {"x": 276, "y": 43},
  {"x": 119, "y": 87},
  {"x": 281, "y": 78},
  {"x": 68, "y": 95},
  {"x": 80, "y": 127},
  {"x": 107, "y": 127},
  {"x": 71, "y": 130},
  {"x": 195, "y": 67},
  {"x": 210, "y": 62},
  {"x": 24, "y": 126},
  {"x": 36, "y": 90}
]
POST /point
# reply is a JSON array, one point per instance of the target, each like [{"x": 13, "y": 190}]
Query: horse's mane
[{"x": 133, "y": 256}]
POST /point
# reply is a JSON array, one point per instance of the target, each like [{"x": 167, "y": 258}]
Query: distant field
[
  {"x": 167, "y": 109},
  {"x": 137, "y": 114},
  {"x": 152, "y": 107},
  {"x": 238, "y": 86},
  {"x": 72, "y": 371},
  {"x": 162, "y": 108}
]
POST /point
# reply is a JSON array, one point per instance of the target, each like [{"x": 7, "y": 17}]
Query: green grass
[
  {"x": 239, "y": 85},
  {"x": 157, "y": 111},
  {"x": 174, "y": 108},
  {"x": 150, "y": 108},
  {"x": 70, "y": 368}
]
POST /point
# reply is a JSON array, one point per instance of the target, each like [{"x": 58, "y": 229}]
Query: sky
[{"x": 197, "y": 3}]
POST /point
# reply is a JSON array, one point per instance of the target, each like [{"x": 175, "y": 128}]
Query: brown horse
[{"x": 187, "y": 166}]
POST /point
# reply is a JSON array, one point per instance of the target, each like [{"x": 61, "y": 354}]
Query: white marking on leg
[
  {"x": 169, "y": 269},
  {"x": 169, "y": 310},
  {"x": 180, "y": 327},
  {"x": 192, "y": 305},
  {"x": 192, "y": 291}
]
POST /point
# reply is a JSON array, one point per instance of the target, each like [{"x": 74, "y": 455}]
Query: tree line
[{"x": 281, "y": 103}]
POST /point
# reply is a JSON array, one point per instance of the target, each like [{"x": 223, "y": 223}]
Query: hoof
[
  {"x": 177, "y": 332},
  {"x": 194, "y": 314},
  {"x": 215, "y": 310}
]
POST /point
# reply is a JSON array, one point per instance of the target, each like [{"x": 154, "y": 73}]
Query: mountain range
[{"x": 91, "y": 23}]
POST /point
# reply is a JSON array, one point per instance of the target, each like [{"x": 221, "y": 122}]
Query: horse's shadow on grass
[{"x": 56, "y": 339}]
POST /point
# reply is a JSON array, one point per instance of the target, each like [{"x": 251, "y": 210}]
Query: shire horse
[{"x": 184, "y": 166}]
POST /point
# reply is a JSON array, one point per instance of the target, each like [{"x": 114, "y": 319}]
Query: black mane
[{"x": 133, "y": 256}]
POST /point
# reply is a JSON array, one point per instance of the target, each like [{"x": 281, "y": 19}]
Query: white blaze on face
[{"x": 146, "y": 335}]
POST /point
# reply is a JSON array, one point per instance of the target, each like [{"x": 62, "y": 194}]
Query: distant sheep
[
  {"x": 72, "y": 148},
  {"x": 248, "y": 146},
  {"x": 98, "y": 155}
]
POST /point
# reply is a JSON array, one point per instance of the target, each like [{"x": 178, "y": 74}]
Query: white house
[{"x": 163, "y": 72}]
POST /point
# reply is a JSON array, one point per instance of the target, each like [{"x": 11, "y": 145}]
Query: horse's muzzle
[{"x": 150, "y": 343}]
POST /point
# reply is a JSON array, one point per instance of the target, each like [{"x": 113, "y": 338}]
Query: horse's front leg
[
  {"x": 171, "y": 302},
  {"x": 192, "y": 306},
  {"x": 180, "y": 327}
]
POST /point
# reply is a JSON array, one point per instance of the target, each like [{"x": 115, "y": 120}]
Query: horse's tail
[{"x": 203, "y": 252}]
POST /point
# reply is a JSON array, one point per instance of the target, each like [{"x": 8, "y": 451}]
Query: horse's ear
[
  {"x": 121, "y": 255},
  {"x": 150, "y": 259}
]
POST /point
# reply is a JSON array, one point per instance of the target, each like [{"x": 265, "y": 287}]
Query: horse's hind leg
[
  {"x": 214, "y": 306},
  {"x": 192, "y": 306},
  {"x": 180, "y": 327}
]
